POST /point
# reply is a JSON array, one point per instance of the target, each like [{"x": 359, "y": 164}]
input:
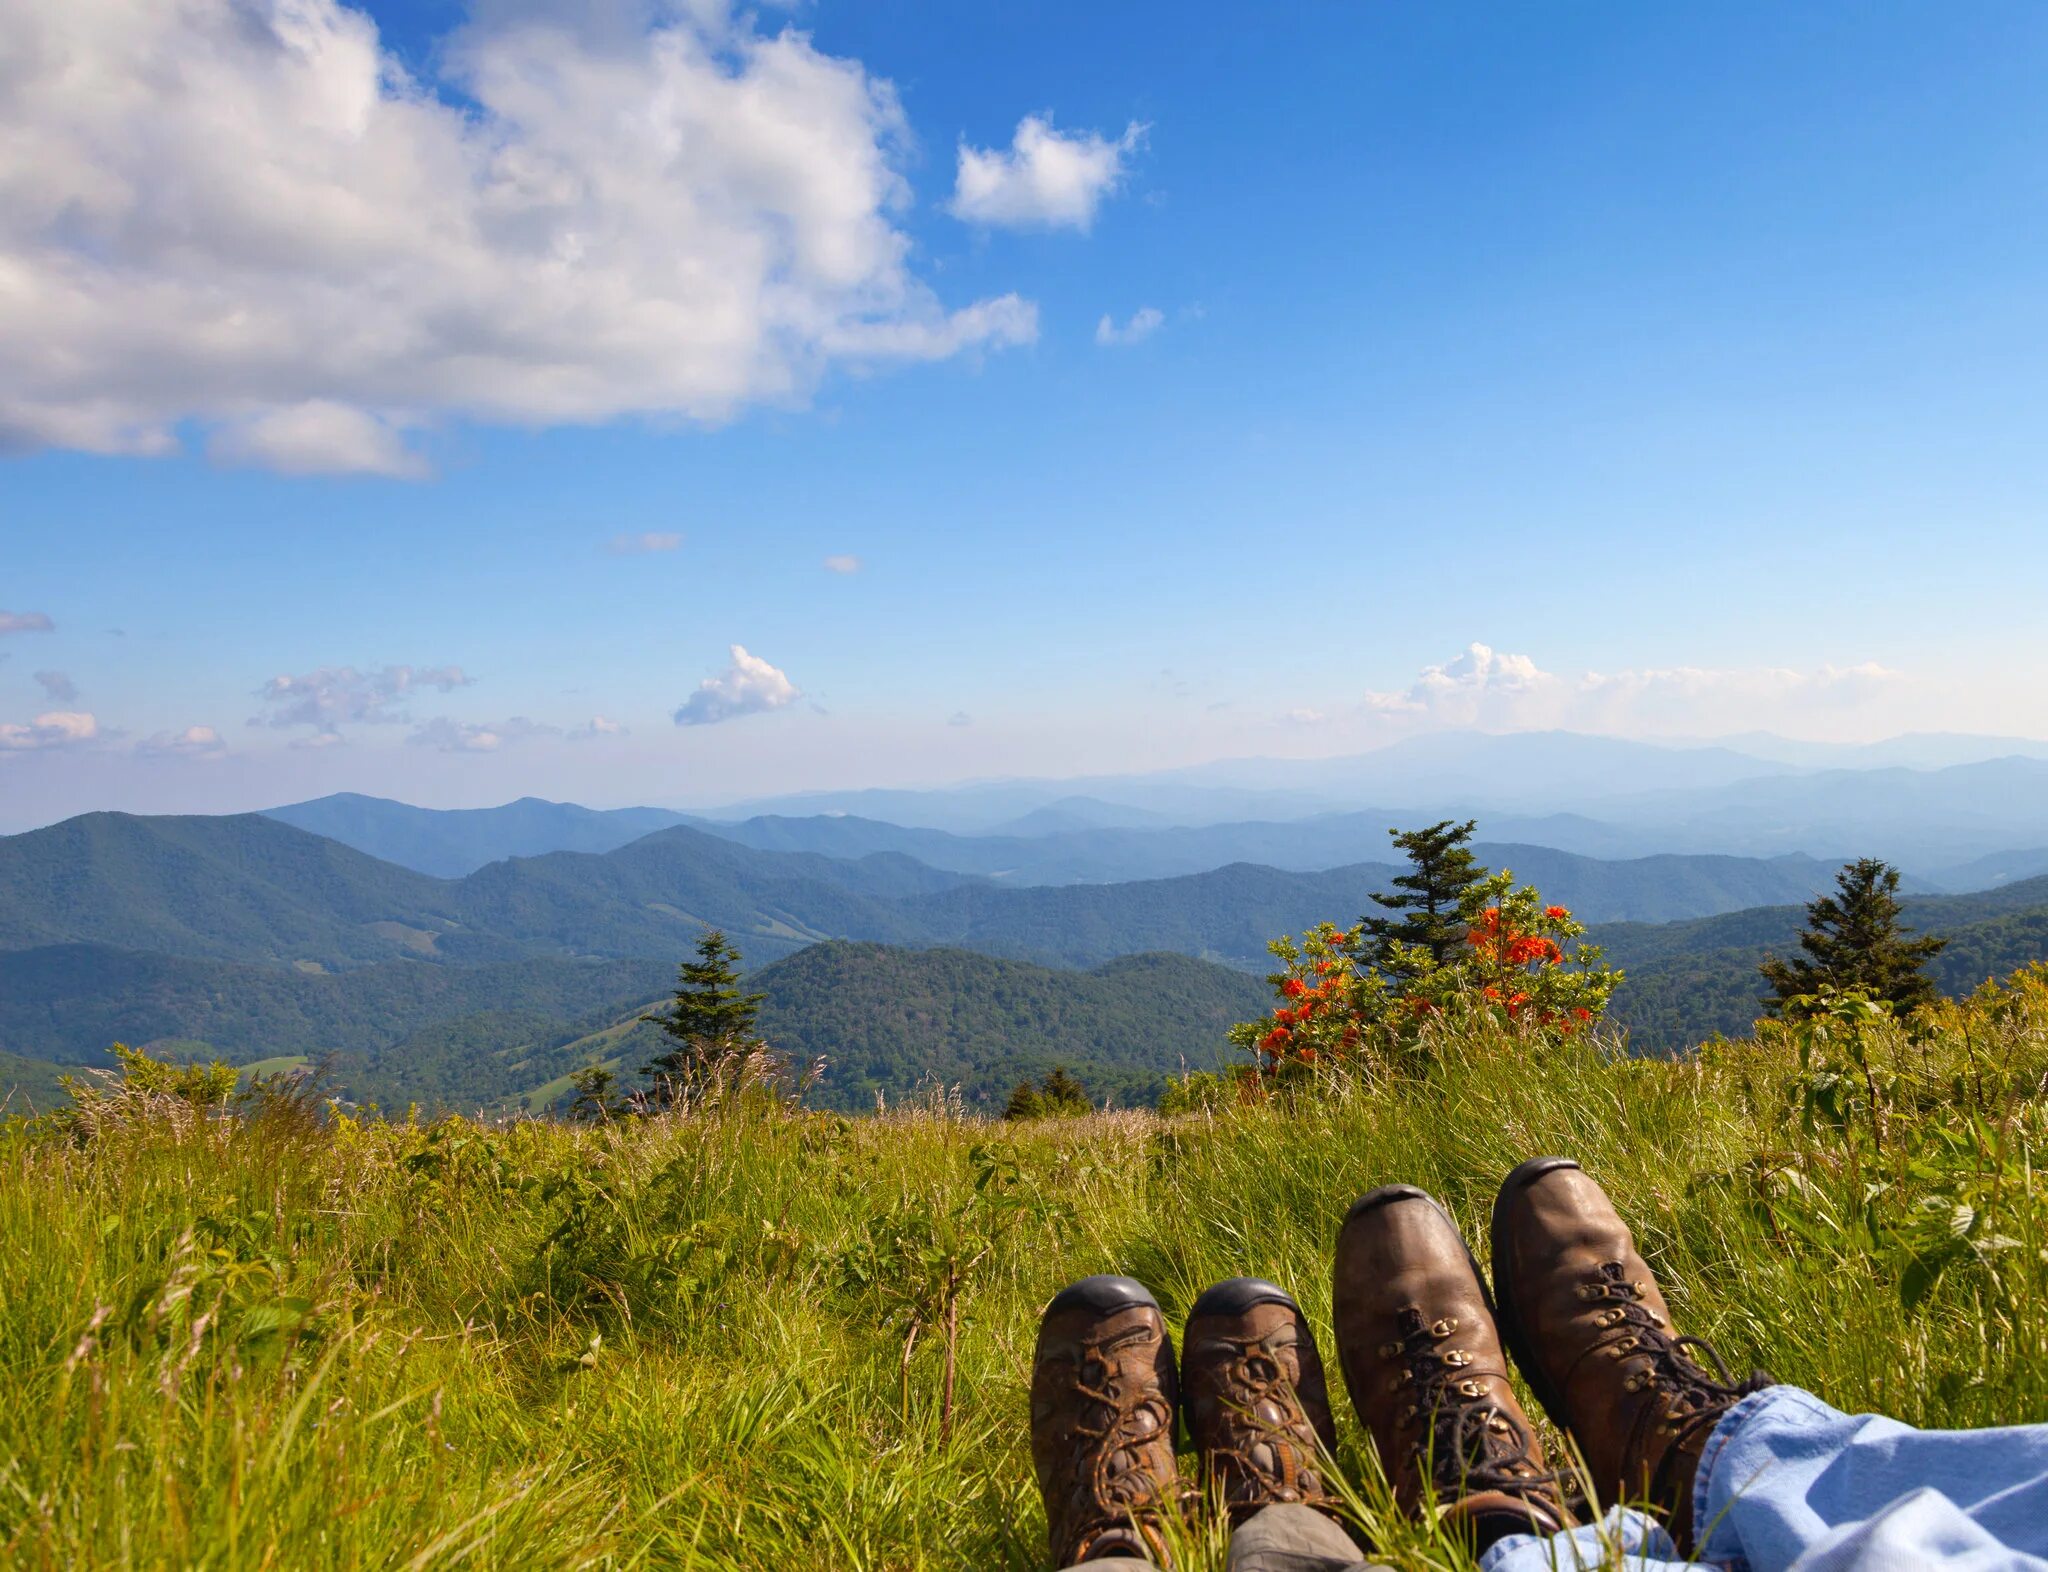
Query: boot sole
[{"x": 1505, "y": 1315}]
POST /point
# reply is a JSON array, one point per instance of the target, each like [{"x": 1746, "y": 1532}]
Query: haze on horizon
[{"x": 893, "y": 398}]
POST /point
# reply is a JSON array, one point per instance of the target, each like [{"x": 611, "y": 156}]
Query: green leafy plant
[{"x": 919, "y": 1260}]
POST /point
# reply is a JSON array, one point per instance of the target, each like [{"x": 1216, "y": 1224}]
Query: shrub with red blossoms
[{"x": 1343, "y": 1003}]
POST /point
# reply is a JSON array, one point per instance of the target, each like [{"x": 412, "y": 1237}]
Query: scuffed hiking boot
[
  {"x": 1427, "y": 1374},
  {"x": 1592, "y": 1334},
  {"x": 1253, "y": 1393},
  {"x": 1103, "y": 1396}
]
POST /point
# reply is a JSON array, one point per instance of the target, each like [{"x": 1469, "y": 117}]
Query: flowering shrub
[{"x": 1346, "y": 999}]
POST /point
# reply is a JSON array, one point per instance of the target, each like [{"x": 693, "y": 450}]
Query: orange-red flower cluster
[{"x": 1497, "y": 939}]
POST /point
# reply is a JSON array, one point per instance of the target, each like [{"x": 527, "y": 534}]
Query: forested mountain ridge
[
  {"x": 450, "y": 842},
  {"x": 245, "y": 887},
  {"x": 258, "y": 939}
]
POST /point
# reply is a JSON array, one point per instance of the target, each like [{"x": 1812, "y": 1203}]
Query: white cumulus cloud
[
  {"x": 247, "y": 215},
  {"x": 1493, "y": 690},
  {"x": 453, "y": 736},
  {"x": 25, "y": 622},
  {"x": 1043, "y": 180},
  {"x": 1144, "y": 322},
  {"x": 1481, "y": 687},
  {"x": 317, "y": 437},
  {"x": 57, "y": 729},
  {"x": 842, "y": 564},
  {"x": 194, "y": 742},
  {"x": 747, "y": 686},
  {"x": 335, "y": 696}
]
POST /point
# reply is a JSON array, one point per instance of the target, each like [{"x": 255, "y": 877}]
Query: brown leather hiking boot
[
  {"x": 1427, "y": 1374},
  {"x": 1593, "y": 1337},
  {"x": 1252, "y": 1389},
  {"x": 1102, "y": 1408}
]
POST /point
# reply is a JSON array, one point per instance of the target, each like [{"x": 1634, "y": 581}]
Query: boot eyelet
[
  {"x": 1389, "y": 1350},
  {"x": 1445, "y": 1327},
  {"x": 1592, "y": 1291},
  {"x": 1457, "y": 1358}
]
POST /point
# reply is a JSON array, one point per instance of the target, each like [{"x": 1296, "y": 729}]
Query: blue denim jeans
[{"x": 1788, "y": 1484}]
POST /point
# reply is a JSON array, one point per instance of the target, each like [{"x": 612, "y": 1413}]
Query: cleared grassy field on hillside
[{"x": 280, "y": 1342}]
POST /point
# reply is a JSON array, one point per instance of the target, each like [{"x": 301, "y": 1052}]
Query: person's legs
[
  {"x": 1288, "y": 1537},
  {"x": 1427, "y": 1374},
  {"x": 1786, "y": 1476}
]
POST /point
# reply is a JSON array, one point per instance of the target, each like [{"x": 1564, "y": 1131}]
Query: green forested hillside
[
  {"x": 1689, "y": 981},
  {"x": 886, "y": 1019},
  {"x": 248, "y": 888},
  {"x": 68, "y": 1002},
  {"x": 239, "y": 887}
]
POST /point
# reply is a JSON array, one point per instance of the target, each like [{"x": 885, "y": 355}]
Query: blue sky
[{"x": 1686, "y": 362}]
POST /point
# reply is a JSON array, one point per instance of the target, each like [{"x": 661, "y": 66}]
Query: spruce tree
[
  {"x": 1853, "y": 941},
  {"x": 1058, "y": 1096},
  {"x": 1062, "y": 1095},
  {"x": 597, "y": 1099},
  {"x": 709, "y": 1012},
  {"x": 1430, "y": 899}
]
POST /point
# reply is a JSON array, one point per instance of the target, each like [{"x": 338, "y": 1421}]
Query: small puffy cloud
[
  {"x": 959, "y": 718},
  {"x": 1481, "y": 687},
  {"x": 1043, "y": 180},
  {"x": 642, "y": 545},
  {"x": 59, "y": 687},
  {"x": 597, "y": 726},
  {"x": 842, "y": 564},
  {"x": 748, "y": 686},
  {"x": 194, "y": 742},
  {"x": 25, "y": 622},
  {"x": 335, "y": 696},
  {"x": 57, "y": 729},
  {"x": 1492, "y": 690},
  {"x": 1144, "y": 322},
  {"x": 253, "y": 218},
  {"x": 453, "y": 736},
  {"x": 317, "y": 437}
]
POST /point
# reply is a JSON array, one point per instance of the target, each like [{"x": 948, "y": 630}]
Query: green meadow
[{"x": 720, "y": 1338}]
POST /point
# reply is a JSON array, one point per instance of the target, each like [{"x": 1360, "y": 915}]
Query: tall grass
[{"x": 273, "y": 1341}]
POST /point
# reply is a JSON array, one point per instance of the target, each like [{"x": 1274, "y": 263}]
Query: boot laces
[
  {"x": 1472, "y": 1442},
  {"x": 1688, "y": 1396},
  {"x": 1114, "y": 1421},
  {"x": 1254, "y": 1375}
]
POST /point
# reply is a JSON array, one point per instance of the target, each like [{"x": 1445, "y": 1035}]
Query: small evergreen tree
[
  {"x": 597, "y": 1099},
  {"x": 1063, "y": 1096},
  {"x": 1853, "y": 941},
  {"x": 709, "y": 1014},
  {"x": 1431, "y": 900},
  {"x": 1058, "y": 1096}
]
